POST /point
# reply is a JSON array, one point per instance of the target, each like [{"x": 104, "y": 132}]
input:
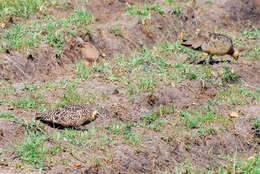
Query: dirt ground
[{"x": 124, "y": 140}]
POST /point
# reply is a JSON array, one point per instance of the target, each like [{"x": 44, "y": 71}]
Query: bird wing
[
  {"x": 217, "y": 44},
  {"x": 194, "y": 43}
]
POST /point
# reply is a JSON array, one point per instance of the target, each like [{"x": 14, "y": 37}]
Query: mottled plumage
[
  {"x": 213, "y": 44},
  {"x": 70, "y": 115}
]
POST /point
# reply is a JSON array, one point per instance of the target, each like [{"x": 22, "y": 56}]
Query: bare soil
[{"x": 158, "y": 151}]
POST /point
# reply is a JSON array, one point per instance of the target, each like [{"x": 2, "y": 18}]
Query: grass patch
[
  {"x": 7, "y": 115},
  {"x": 116, "y": 30},
  {"x": 22, "y": 8},
  {"x": 199, "y": 117},
  {"x": 50, "y": 30},
  {"x": 32, "y": 150},
  {"x": 249, "y": 166},
  {"x": 229, "y": 76},
  {"x": 254, "y": 53},
  {"x": 125, "y": 130},
  {"x": 74, "y": 136},
  {"x": 82, "y": 71},
  {"x": 238, "y": 96},
  {"x": 152, "y": 121},
  {"x": 28, "y": 102},
  {"x": 144, "y": 10}
]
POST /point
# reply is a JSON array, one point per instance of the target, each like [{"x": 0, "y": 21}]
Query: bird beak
[{"x": 236, "y": 55}]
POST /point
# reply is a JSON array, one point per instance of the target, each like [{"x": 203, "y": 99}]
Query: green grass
[
  {"x": 30, "y": 87},
  {"x": 253, "y": 52},
  {"x": 22, "y": 8},
  {"x": 145, "y": 10},
  {"x": 237, "y": 96},
  {"x": 206, "y": 130},
  {"x": 249, "y": 166},
  {"x": 116, "y": 30},
  {"x": 199, "y": 117},
  {"x": 32, "y": 149},
  {"x": 28, "y": 101},
  {"x": 123, "y": 130},
  {"x": 49, "y": 30},
  {"x": 251, "y": 33},
  {"x": 7, "y": 115},
  {"x": 145, "y": 72},
  {"x": 230, "y": 76},
  {"x": 153, "y": 121},
  {"x": 190, "y": 120},
  {"x": 177, "y": 10},
  {"x": 82, "y": 71},
  {"x": 76, "y": 137},
  {"x": 69, "y": 93}
]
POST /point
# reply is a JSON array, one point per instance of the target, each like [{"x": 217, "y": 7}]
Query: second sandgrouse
[{"x": 213, "y": 44}]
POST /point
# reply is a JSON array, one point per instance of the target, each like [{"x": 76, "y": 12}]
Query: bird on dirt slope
[
  {"x": 213, "y": 44},
  {"x": 74, "y": 115}
]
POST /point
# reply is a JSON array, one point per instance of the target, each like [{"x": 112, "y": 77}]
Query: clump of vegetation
[
  {"x": 28, "y": 101},
  {"x": 116, "y": 30},
  {"x": 32, "y": 149},
  {"x": 21, "y": 8},
  {"x": 82, "y": 71},
  {"x": 250, "y": 165},
  {"x": 145, "y": 10},
  {"x": 230, "y": 76},
  {"x": 50, "y": 30},
  {"x": 7, "y": 115},
  {"x": 124, "y": 129}
]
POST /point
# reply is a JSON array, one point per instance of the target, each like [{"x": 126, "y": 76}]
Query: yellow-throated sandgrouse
[
  {"x": 213, "y": 44},
  {"x": 74, "y": 115}
]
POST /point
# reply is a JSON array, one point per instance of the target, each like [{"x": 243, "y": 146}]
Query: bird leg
[{"x": 209, "y": 59}]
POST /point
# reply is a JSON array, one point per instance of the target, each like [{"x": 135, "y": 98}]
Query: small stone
[
  {"x": 90, "y": 52},
  {"x": 233, "y": 114},
  {"x": 77, "y": 164}
]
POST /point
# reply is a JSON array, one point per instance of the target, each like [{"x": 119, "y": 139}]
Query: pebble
[{"x": 233, "y": 114}]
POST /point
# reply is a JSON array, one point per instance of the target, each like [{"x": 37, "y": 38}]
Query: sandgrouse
[
  {"x": 74, "y": 115},
  {"x": 213, "y": 44}
]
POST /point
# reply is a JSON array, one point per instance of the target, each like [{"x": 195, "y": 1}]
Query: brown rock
[{"x": 90, "y": 52}]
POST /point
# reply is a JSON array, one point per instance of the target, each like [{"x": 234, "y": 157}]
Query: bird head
[
  {"x": 94, "y": 115},
  {"x": 236, "y": 52},
  {"x": 235, "y": 55}
]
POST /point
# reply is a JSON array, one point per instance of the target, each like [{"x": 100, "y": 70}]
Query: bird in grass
[
  {"x": 74, "y": 115},
  {"x": 213, "y": 44}
]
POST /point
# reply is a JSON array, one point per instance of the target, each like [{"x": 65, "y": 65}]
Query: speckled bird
[
  {"x": 213, "y": 44},
  {"x": 74, "y": 115}
]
